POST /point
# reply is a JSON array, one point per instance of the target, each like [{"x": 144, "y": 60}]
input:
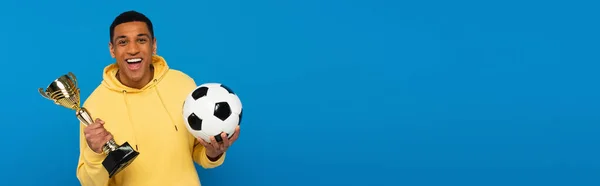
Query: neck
[{"x": 136, "y": 84}]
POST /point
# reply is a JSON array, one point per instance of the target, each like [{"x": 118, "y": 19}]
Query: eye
[
  {"x": 122, "y": 42},
  {"x": 142, "y": 40}
]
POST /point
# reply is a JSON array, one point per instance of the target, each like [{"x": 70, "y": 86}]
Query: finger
[
  {"x": 100, "y": 138},
  {"x": 109, "y": 136},
  {"x": 97, "y": 123},
  {"x": 235, "y": 135},
  {"x": 102, "y": 134},
  {"x": 225, "y": 140},
  {"x": 233, "y": 138},
  {"x": 213, "y": 142},
  {"x": 93, "y": 126},
  {"x": 89, "y": 131},
  {"x": 202, "y": 142},
  {"x": 104, "y": 139},
  {"x": 221, "y": 147},
  {"x": 98, "y": 132}
]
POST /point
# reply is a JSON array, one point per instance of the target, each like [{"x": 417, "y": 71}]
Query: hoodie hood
[{"x": 111, "y": 82}]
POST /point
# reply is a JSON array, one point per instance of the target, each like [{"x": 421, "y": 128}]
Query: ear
[
  {"x": 154, "y": 46},
  {"x": 111, "y": 49}
]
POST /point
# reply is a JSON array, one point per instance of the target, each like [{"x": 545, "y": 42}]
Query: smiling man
[{"x": 139, "y": 101}]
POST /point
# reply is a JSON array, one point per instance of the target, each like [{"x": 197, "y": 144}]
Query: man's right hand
[{"x": 96, "y": 135}]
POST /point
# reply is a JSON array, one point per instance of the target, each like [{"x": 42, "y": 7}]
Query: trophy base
[{"x": 119, "y": 159}]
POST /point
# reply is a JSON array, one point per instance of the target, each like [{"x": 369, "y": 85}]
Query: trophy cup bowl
[{"x": 64, "y": 91}]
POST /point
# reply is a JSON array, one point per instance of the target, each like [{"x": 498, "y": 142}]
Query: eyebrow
[
  {"x": 139, "y": 35},
  {"x": 119, "y": 37}
]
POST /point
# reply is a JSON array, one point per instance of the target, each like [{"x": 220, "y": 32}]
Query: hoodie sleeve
[
  {"x": 90, "y": 170},
  {"x": 201, "y": 158}
]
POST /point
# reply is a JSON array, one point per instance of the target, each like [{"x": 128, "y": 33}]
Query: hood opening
[{"x": 111, "y": 82}]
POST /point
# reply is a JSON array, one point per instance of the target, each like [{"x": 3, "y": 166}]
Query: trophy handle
[
  {"x": 72, "y": 76},
  {"x": 44, "y": 94}
]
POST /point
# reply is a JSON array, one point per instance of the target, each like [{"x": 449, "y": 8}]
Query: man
[{"x": 139, "y": 101}]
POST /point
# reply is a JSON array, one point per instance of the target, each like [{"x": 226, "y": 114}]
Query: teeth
[{"x": 134, "y": 60}]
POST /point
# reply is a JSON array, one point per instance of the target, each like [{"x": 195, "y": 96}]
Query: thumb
[{"x": 100, "y": 121}]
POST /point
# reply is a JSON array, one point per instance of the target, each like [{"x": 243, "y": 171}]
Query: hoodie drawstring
[
  {"x": 129, "y": 116},
  {"x": 165, "y": 107}
]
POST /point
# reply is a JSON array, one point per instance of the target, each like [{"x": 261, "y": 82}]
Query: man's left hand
[{"x": 214, "y": 149}]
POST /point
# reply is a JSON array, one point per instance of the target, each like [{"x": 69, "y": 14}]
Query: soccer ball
[{"x": 210, "y": 109}]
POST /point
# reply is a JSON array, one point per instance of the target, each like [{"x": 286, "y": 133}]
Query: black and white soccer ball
[{"x": 210, "y": 109}]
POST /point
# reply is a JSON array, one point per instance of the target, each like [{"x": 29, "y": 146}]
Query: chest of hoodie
[{"x": 153, "y": 121}]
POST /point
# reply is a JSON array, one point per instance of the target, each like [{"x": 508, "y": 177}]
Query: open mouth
[
  {"x": 134, "y": 63},
  {"x": 134, "y": 60}
]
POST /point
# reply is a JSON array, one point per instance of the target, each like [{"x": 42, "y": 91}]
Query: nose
[{"x": 133, "y": 49}]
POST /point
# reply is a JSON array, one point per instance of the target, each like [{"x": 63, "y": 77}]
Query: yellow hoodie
[{"x": 150, "y": 120}]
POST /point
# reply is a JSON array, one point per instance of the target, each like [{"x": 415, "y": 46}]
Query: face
[{"x": 132, "y": 46}]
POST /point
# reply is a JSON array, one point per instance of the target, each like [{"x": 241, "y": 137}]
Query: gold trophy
[{"x": 64, "y": 92}]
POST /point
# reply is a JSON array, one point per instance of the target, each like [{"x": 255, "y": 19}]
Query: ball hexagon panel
[
  {"x": 187, "y": 107},
  {"x": 218, "y": 93},
  {"x": 230, "y": 124},
  {"x": 214, "y": 127},
  {"x": 203, "y": 107},
  {"x": 234, "y": 103}
]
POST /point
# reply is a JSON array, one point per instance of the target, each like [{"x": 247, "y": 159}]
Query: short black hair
[{"x": 130, "y": 16}]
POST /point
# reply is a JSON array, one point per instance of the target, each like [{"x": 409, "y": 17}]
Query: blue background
[{"x": 335, "y": 92}]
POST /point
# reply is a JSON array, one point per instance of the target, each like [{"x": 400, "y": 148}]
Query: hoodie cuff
[
  {"x": 92, "y": 158},
  {"x": 207, "y": 163}
]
